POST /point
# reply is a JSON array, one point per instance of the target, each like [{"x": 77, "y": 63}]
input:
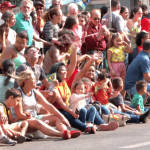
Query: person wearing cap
[
  {"x": 39, "y": 8},
  {"x": 6, "y": 5},
  {"x": 24, "y": 20}
]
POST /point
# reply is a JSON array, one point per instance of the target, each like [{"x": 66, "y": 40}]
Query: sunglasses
[
  {"x": 38, "y": 8},
  {"x": 97, "y": 19}
]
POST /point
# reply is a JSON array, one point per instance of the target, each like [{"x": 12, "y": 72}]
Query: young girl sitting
[
  {"x": 116, "y": 56},
  {"x": 91, "y": 115}
]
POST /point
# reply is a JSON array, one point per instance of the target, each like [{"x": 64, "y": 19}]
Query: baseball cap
[
  {"x": 7, "y": 4},
  {"x": 37, "y": 3}
]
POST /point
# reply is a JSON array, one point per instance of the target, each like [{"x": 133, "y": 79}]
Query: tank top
[
  {"x": 19, "y": 59},
  {"x": 29, "y": 102}
]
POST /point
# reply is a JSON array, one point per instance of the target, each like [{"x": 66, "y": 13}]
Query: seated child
[
  {"x": 103, "y": 90},
  {"x": 17, "y": 130},
  {"x": 77, "y": 100},
  {"x": 118, "y": 101},
  {"x": 137, "y": 101}
]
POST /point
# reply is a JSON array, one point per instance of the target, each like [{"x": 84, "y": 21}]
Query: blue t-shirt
[
  {"x": 140, "y": 65},
  {"x": 22, "y": 24}
]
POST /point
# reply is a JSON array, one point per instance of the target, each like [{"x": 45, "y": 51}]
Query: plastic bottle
[{"x": 52, "y": 86}]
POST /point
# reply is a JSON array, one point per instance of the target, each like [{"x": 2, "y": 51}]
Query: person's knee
[
  {"x": 52, "y": 98},
  {"x": 24, "y": 124},
  {"x": 83, "y": 110}
]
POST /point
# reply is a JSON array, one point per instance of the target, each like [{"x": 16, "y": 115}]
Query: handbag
[{"x": 121, "y": 119}]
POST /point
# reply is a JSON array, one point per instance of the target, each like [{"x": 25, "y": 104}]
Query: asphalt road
[{"x": 131, "y": 136}]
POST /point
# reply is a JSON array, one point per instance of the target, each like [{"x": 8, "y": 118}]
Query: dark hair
[
  {"x": 55, "y": 68},
  {"x": 146, "y": 45},
  {"x": 78, "y": 83},
  {"x": 117, "y": 83},
  {"x": 103, "y": 75},
  {"x": 65, "y": 31},
  {"x": 144, "y": 7},
  {"x": 114, "y": 35},
  {"x": 135, "y": 9},
  {"x": 32, "y": 14},
  {"x": 104, "y": 10},
  {"x": 23, "y": 35},
  {"x": 7, "y": 16},
  {"x": 85, "y": 12},
  {"x": 53, "y": 6},
  {"x": 70, "y": 22},
  {"x": 140, "y": 85},
  {"x": 42, "y": 1},
  {"x": 140, "y": 36},
  {"x": 8, "y": 67},
  {"x": 115, "y": 3},
  {"x": 27, "y": 49},
  {"x": 123, "y": 9},
  {"x": 12, "y": 92},
  {"x": 82, "y": 16}
]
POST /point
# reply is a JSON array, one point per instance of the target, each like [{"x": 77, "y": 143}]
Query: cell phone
[{"x": 77, "y": 111}]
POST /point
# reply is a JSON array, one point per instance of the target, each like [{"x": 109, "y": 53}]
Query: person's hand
[
  {"x": 67, "y": 56},
  {"x": 95, "y": 56},
  {"x": 76, "y": 116},
  {"x": 112, "y": 72},
  {"x": 3, "y": 119},
  {"x": 55, "y": 41},
  {"x": 139, "y": 22},
  {"x": 65, "y": 121},
  {"x": 87, "y": 57},
  {"x": 75, "y": 46},
  {"x": 111, "y": 110},
  {"x": 147, "y": 94},
  {"x": 29, "y": 115}
]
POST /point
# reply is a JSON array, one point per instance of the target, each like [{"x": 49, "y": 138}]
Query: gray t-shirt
[
  {"x": 118, "y": 22},
  {"x": 117, "y": 100}
]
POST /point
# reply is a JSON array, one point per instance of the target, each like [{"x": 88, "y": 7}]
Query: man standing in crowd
[
  {"x": 24, "y": 20},
  {"x": 5, "y": 6},
  {"x": 139, "y": 69},
  {"x": 73, "y": 9},
  {"x": 57, "y": 3}
]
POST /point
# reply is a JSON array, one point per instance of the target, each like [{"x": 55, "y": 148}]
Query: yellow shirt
[{"x": 118, "y": 54}]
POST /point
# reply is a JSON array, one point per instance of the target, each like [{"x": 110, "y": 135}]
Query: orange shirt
[
  {"x": 64, "y": 92},
  {"x": 101, "y": 94}
]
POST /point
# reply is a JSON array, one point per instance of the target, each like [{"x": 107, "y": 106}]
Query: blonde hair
[{"x": 23, "y": 76}]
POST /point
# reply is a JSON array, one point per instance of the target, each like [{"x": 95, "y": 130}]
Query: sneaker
[
  {"x": 90, "y": 130},
  {"x": 144, "y": 117},
  {"x": 19, "y": 139},
  {"x": 107, "y": 127},
  {"x": 75, "y": 134},
  {"x": 29, "y": 137},
  {"x": 66, "y": 134},
  {"x": 7, "y": 141}
]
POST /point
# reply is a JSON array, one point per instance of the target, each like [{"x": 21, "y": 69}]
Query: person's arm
[
  {"x": 109, "y": 91},
  {"x": 6, "y": 54},
  {"x": 49, "y": 107},
  {"x": 147, "y": 77},
  {"x": 139, "y": 109},
  {"x": 146, "y": 97},
  {"x": 73, "y": 61},
  {"x": 126, "y": 108},
  {"x": 82, "y": 57},
  {"x": 127, "y": 47},
  {"x": 3, "y": 117},
  {"x": 11, "y": 119},
  {"x": 109, "y": 57}
]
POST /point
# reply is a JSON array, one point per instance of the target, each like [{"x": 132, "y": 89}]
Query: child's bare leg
[
  {"x": 24, "y": 126},
  {"x": 123, "y": 92},
  {"x": 35, "y": 124}
]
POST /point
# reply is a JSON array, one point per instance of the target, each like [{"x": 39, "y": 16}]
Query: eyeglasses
[
  {"x": 97, "y": 19},
  {"x": 38, "y": 8},
  {"x": 81, "y": 20}
]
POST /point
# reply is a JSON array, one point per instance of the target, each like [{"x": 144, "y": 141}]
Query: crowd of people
[{"x": 95, "y": 67}]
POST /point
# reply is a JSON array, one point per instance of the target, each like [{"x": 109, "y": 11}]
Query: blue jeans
[
  {"x": 145, "y": 108},
  {"x": 76, "y": 123},
  {"x": 90, "y": 115},
  {"x": 134, "y": 118}
]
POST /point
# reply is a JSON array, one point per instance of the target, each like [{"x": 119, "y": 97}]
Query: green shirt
[
  {"x": 22, "y": 24},
  {"x": 138, "y": 100}
]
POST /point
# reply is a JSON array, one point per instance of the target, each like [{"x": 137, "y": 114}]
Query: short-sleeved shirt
[
  {"x": 38, "y": 71},
  {"x": 118, "y": 22},
  {"x": 117, "y": 101},
  {"x": 118, "y": 54},
  {"x": 22, "y": 24},
  {"x": 140, "y": 65},
  {"x": 138, "y": 100},
  {"x": 101, "y": 94}
]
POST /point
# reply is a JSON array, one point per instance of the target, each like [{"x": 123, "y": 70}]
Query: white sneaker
[{"x": 6, "y": 141}]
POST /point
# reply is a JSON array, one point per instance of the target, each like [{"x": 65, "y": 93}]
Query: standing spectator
[
  {"x": 24, "y": 20},
  {"x": 124, "y": 12},
  {"x": 144, "y": 10},
  {"x": 50, "y": 30},
  {"x": 39, "y": 7},
  {"x": 73, "y": 9},
  {"x": 134, "y": 24},
  {"x": 96, "y": 41},
  {"x": 43, "y": 2},
  {"x": 57, "y": 3},
  {"x": 104, "y": 11},
  {"x": 10, "y": 35},
  {"x": 5, "y": 6},
  {"x": 87, "y": 14}
]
